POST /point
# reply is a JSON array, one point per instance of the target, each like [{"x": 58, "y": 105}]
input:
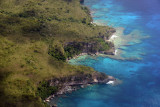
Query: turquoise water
[{"x": 140, "y": 87}]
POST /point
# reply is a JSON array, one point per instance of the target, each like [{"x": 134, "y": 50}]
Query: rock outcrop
[
  {"x": 92, "y": 48},
  {"x": 72, "y": 83},
  {"x": 94, "y": 45}
]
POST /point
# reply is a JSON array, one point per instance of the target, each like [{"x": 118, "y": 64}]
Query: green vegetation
[
  {"x": 73, "y": 49},
  {"x": 100, "y": 44},
  {"x": 44, "y": 90},
  {"x": 33, "y": 34},
  {"x": 57, "y": 52}
]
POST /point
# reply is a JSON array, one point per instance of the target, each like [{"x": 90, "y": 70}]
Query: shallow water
[{"x": 135, "y": 20}]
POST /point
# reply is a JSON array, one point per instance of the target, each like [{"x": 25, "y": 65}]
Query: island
[{"x": 37, "y": 37}]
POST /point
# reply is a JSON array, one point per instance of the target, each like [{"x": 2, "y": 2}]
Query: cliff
[
  {"x": 96, "y": 45},
  {"x": 74, "y": 82}
]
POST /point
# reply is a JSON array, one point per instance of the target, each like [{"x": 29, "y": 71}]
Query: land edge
[
  {"x": 72, "y": 83},
  {"x": 75, "y": 82},
  {"x": 37, "y": 80},
  {"x": 87, "y": 51}
]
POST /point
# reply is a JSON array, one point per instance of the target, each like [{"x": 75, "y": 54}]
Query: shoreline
[
  {"x": 72, "y": 84},
  {"x": 114, "y": 53},
  {"x": 73, "y": 87},
  {"x": 95, "y": 79},
  {"x": 69, "y": 88}
]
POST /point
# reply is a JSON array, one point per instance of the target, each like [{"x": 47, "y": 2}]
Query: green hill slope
[{"x": 33, "y": 34}]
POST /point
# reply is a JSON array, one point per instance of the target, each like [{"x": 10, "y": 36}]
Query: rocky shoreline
[
  {"x": 75, "y": 82},
  {"x": 72, "y": 83},
  {"x": 111, "y": 51},
  {"x": 88, "y": 48}
]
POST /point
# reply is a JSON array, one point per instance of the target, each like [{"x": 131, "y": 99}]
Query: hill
[{"x": 36, "y": 39}]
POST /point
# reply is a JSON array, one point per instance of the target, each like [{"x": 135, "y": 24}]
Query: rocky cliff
[
  {"x": 72, "y": 83},
  {"x": 95, "y": 45}
]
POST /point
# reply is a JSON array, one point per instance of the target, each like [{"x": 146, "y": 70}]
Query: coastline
[
  {"x": 73, "y": 83},
  {"x": 122, "y": 43},
  {"x": 116, "y": 39},
  {"x": 46, "y": 55},
  {"x": 95, "y": 78},
  {"x": 112, "y": 52},
  {"x": 129, "y": 70}
]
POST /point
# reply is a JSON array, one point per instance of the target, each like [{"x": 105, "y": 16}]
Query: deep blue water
[{"x": 140, "y": 85}]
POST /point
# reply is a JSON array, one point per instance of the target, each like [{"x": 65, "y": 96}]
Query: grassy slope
[{"x": 27, "y": 28}]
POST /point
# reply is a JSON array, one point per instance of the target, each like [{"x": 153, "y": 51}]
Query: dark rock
[
  {"x": 72, "y": 83},
  {"x": 75, "y": 82},
  {"x": 90, "y": 48}
]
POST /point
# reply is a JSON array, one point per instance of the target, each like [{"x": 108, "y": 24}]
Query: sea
[{"x": 136, "y": 63}]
